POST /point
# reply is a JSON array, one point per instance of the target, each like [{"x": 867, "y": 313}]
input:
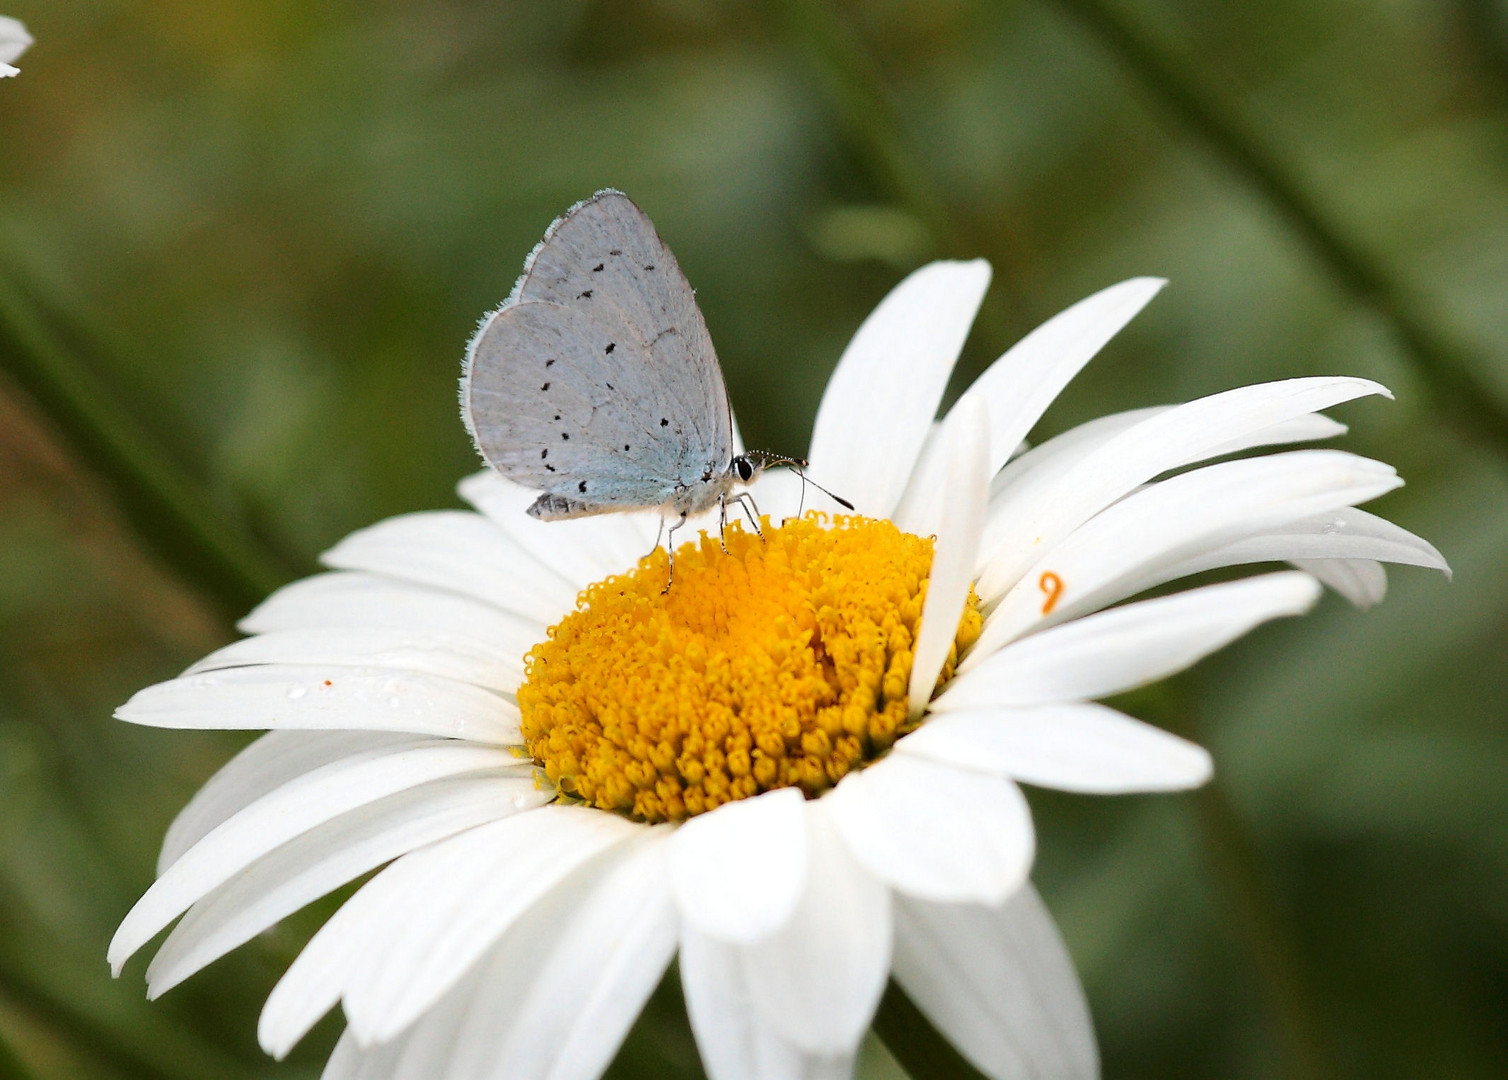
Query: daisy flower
[
  {"x": 795, "y": 771},
  {"x": 14, "y": 40}
]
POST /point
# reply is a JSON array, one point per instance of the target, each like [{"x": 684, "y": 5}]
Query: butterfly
[{"x": 596, "y": 382}]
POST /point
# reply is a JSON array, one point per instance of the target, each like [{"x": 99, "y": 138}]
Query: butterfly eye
[{"x": 743, "y": 468}]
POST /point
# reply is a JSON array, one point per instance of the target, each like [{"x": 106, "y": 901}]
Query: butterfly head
[{"x": 746, "y": 467}]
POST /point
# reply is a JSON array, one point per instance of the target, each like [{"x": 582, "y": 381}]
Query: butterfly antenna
[
  {"x": 797, "y": 465},
  {"x": 840, "y": 500}
]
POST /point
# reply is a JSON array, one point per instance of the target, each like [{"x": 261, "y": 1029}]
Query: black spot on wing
[
  {"x": 597, "y": 269},
  {"x": 664, "y": 422},
  {"x": 587, "y": 295},
  {"x": 611, "y": 345},
  {"x": 581, "y": 487}
]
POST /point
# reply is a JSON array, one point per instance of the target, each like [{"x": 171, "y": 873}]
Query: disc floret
[{"x": 783, "y": 662}]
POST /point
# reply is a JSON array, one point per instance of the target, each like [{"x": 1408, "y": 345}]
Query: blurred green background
[{"x": 243, "y": 243}]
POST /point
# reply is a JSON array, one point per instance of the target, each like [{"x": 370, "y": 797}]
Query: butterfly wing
[{"x": 596, "y": 381}]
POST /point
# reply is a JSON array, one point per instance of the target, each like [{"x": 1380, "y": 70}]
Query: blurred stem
[
  {"x": 11, "y": 1065},
  {"x": 1486, "y": 35},
  {"x": 854, "y": 88},
  {"x": 1236, "y": 869},
  {"x": 1253, "y": 912},
  {"x": 152, "y": 1051},
  {"x": 169, "y": 510},
  {"x": 1450, "y": 371},
  {"x": 660, "y": 1044},
  {"x": 923, "y": 1051}
]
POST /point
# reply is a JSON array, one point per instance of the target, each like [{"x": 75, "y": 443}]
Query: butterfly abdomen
[{"x": 551, "y": 507}]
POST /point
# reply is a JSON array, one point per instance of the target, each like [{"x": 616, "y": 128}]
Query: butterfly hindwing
[{"x": 597, "y": 380}]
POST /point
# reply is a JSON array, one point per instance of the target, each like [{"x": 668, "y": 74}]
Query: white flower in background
[
  {"x": 796, "y": 770},
  {"x": 14, "y": 40}
]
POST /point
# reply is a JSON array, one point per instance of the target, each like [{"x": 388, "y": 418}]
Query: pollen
[{"x": 783, "y": 662}]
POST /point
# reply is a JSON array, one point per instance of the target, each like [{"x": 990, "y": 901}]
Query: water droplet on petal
[{"x": 296, "y": 692}]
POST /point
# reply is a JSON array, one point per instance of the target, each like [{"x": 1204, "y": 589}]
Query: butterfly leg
[
  {"x": 722, "y": 521},
  {"x": 659, "y": 535},
  {"x": 670, "y": 548},
  {"x": 751, "y": 511}
]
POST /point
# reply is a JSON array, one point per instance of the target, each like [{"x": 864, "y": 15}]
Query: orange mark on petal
[{"x": 1052, "y": 585}]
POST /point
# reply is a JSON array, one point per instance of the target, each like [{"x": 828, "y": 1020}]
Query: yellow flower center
[{"x": 782, "y": 663}]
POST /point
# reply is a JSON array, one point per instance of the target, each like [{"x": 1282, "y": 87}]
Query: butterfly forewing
[
  {"x": 597, "y": 380},
  {"x": 569, "y": 435}
]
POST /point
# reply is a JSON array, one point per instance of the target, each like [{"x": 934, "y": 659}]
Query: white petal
[
  {"x": 264, "y": 766},
  {"x": 298, "y": 806},
  {"x": 956, "y": 522},
  {"x": 735, "y": 1041},
  {"x": 448, "y": 656},
  {"x": 737, "y": 872},
  {"x": 313, "y": 983},
  {"x": 1111, "y": 555},
  {"x": 999, "y": 983},
  {"x": 462, "y": 552},
  {"x": 345, "y": 1060},
  {"x": 456, "y": 881},
  {"x": 1045, "y": 464},
  {"x": 935, "y": 831},
  {"x": 1020, "y": 385},
  {"x": 326, "y": 698},
  {"x": 1127, "y": 646},
  {"x": 14, "y": 40},
  {"x": 485, "y": 1025},
  {"x": 1024, "y": 482},
  {"x": 583, "y": 551},
  {"x": 1361, "y": 581},
  {"x": 327, "y": 857},
  {"x": 1043, "y": 467},
  {"x": 839, "y": 1067},
  {"x": 1310, "y": 427},
  {"x": 1135, "y": 456},
  {"x": 461, "y": 1036},
  {"x": 781, "y": 493},
  {"x": 606, "y": 963},
  {"x": 1075, "y": 747},
  {"x": 819, "y": 977},
  {"x": 1051, "y": 460},
  {"x": 479, "y": 883},
  {"x": 429, "y": 1049},
  {"x": 350, "y": 598},
  {"x": 881, "y": 399},
  {"x": 1342, "y": 535},
  {"x": 921, "y": 502}
]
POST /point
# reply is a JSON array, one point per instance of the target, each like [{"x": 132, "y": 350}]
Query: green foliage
[{"x": 254, "y": 235}]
